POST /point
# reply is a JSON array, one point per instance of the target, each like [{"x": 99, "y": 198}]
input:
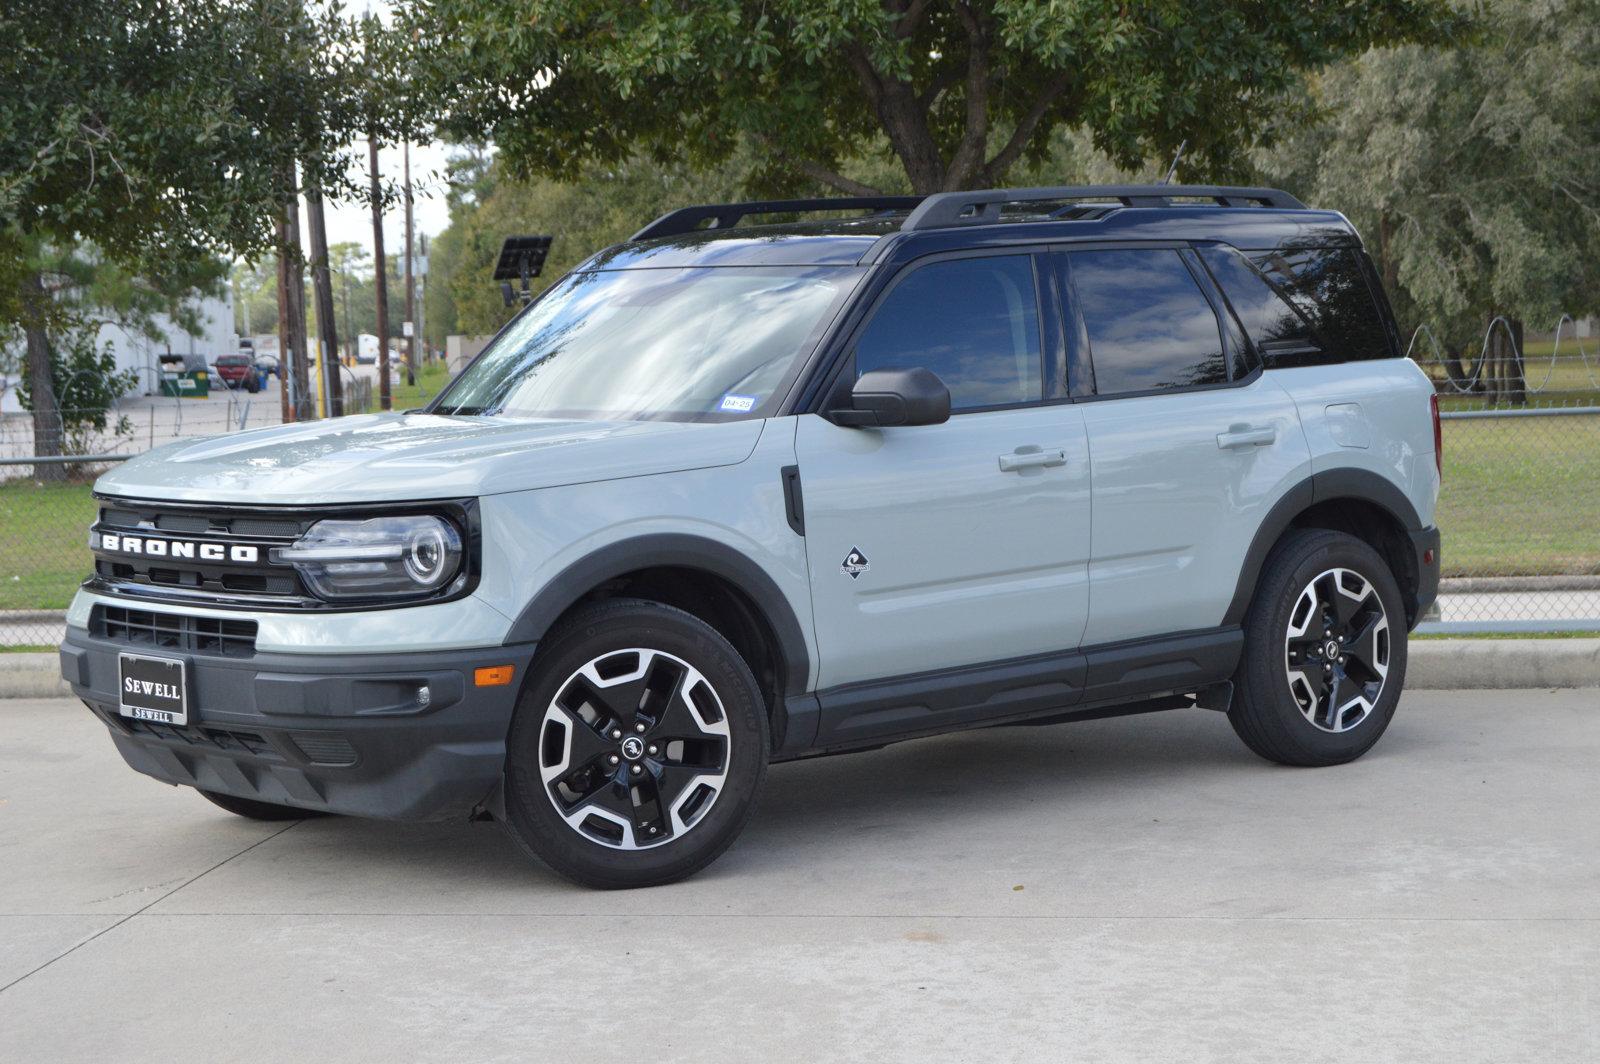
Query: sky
[
  {"x": 353, "y": 221},
  {"x": 430, "y": 214}
]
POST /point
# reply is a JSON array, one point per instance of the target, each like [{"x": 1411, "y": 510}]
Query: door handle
[
  {"x": 1023, "y": 458},
  {"x": 1247, "y": 436}
]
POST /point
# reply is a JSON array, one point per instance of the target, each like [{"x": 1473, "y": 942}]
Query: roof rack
[
  {"x": 727, "y": 215},
  {"x": 981, "y": 207}
]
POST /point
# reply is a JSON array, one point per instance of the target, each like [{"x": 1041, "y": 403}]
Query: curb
[
  {"x": 32, "y": 676},
  {"x": 1501, "y": 664},
  {"x": 1433, "y": 665}
]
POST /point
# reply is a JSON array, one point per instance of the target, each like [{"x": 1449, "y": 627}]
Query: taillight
[{"x": 1438, "y": 435}]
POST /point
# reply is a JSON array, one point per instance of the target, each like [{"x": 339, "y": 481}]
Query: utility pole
[
  {"x": 380, "y": 276},
  {"x": 411, "y": 288},
  {"x": 422, "y": 295},
  {"x": 293, "y": 297},
  {"x": 322, "y": 288}
]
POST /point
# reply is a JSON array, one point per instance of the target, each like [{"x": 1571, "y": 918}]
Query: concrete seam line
[{"x": 157, "y": 901}]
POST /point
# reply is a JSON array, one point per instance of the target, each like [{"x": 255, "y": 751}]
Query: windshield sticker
[{"x": 740, "y": 404}]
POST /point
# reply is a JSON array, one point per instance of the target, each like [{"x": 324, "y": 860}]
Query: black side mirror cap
[{"x": 885, "y": 398}]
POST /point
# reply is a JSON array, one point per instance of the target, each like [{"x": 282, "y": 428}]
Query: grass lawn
[
  {"x": 1521, "y": 496},
  {"x": 431, "y": 380},
  {"x": 44, "y": 543}
]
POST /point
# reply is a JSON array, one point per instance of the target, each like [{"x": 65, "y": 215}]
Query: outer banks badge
[{"x": 855, "y": 563}]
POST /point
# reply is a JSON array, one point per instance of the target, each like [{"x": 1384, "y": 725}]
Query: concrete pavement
[{"x": 1140, "y": 889}]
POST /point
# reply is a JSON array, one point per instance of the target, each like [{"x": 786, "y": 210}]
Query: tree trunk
[
  {"x": 380, "y": 279},
  {"x": 322, "y": 288},
  {"x": 47, "y": 423},
  {"x": 1516, "y": 372}
]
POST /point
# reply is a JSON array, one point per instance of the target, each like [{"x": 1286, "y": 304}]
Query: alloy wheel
[
  {"x": 634, "y": 749},
  {"x": 1336, "y": 650}
]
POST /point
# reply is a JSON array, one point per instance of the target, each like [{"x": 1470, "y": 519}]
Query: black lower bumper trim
[
  {"x": 1425, "y": 549},
  {"x": 392, "y": 736}
]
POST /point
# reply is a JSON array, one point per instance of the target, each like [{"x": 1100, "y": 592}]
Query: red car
[{"x": 236, "y": 370}]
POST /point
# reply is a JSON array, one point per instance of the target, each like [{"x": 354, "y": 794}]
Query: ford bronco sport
[{"x": 734, "y": 493}]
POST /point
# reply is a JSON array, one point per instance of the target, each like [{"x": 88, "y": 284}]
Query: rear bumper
[
  {"x": 349, "y": 734},
  {"x": 1425, "y": 550}
]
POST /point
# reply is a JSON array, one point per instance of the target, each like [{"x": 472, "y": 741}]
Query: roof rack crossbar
[
  {"x": 727, "y": 215},
  {"x": 981, "y": 207}
]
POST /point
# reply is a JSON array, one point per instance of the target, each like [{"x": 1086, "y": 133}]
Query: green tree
[
  {"x": 158, "y": 134},
  {"x": 960, "y": 90},
  {"x": 1471, "y": 170}
]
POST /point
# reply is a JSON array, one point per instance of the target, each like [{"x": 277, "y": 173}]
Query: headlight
[{"x": 380, "y": 557}]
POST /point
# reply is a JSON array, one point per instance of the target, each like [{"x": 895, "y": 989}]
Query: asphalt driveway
[{"x": 1140, "y": 889}]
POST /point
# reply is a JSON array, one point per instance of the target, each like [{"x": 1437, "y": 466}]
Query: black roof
[{"x": 890, "y": 228}]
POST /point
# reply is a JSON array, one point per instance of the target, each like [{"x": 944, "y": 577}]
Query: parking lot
[{"x": 1140, "y": 889}]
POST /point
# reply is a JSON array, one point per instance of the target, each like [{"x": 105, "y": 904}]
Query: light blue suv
[{"x": 730, "y": 494}]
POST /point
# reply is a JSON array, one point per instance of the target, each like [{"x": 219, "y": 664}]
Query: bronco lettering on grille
[{"x": 242, "y": 553}]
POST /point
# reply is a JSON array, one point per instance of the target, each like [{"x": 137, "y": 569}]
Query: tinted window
[
  {"x": 974, "y": 322},
  {"x": 1149, "y": 325},
  {"x": 1328, "y": 286},
  {"x": 1278, "y": 331}
]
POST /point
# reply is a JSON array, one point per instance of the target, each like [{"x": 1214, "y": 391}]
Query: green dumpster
[
  {"x": 190, "y": 384},
  {"x": 185, "y": 376}
]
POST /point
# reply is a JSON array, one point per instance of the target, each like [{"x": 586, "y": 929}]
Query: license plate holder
[{"x": 153, "y": 688}]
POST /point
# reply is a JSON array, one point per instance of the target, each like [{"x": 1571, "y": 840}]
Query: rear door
[
  {"x": 1191, "y": 444},
  {"x": 937, "y": 546}
]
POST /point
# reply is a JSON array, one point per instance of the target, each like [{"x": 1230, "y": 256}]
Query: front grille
[
  {"x": 223, "y": 579},
  {"x": 174, "y": 631}
]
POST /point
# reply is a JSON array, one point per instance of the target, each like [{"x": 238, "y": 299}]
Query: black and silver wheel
[
  {"x": 1325, "y": 652},
  {"x": 638, "y": 745}
]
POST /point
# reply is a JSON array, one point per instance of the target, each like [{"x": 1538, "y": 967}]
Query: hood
[{"x": 381, "y": 457}]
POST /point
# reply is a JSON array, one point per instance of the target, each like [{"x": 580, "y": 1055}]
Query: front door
[{"x": 938, "y": 546}]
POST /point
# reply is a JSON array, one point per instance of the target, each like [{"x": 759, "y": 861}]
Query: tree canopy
[
  {"x": 1472, "y": 172},
  {"x": 961, "y": 89}
]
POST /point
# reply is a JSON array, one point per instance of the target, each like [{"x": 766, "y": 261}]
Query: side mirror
[{"x": 893, "y": 397}]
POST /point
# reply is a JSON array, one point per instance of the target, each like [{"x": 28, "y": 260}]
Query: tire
[
  {"x": 251, "y": 809},
  {"x": 637, "y": 748},
  {"x": 1325, "y": 652}
]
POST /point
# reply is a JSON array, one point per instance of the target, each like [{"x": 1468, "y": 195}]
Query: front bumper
[{"x": 348, "y": 733}]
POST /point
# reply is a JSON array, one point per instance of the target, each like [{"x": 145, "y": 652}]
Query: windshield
[{"x": 701, "y": 344}]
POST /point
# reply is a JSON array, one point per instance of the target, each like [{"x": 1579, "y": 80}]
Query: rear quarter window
[{"x": 1302, "y": 306}]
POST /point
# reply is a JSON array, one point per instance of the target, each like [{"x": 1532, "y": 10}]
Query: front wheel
[
  {"x": 637, "y": 747},
  {"x": 1325, "y": 652}
]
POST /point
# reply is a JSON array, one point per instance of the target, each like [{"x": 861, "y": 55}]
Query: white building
[{"x": 141, "y": 354}]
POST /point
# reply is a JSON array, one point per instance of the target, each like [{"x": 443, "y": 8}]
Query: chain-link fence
[{"x": 1520, "y": 506}]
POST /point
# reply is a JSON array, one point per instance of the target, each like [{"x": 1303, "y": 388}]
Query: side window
[
  {"x": 974, "y": 322},
  {"x": 1149, "y": 326},
  {"x": 1278, "y": 331},
  {"x": 1328, "y": 286}
]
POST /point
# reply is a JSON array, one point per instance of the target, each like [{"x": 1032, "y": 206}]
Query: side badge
[{"x": 855, "y": 563}]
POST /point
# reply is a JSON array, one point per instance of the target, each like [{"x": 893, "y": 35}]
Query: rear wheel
[
  {"x": 1325, "y": 652},
  {"x": 637, "y": 747},
  {"x": 254, "y": 810}
]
